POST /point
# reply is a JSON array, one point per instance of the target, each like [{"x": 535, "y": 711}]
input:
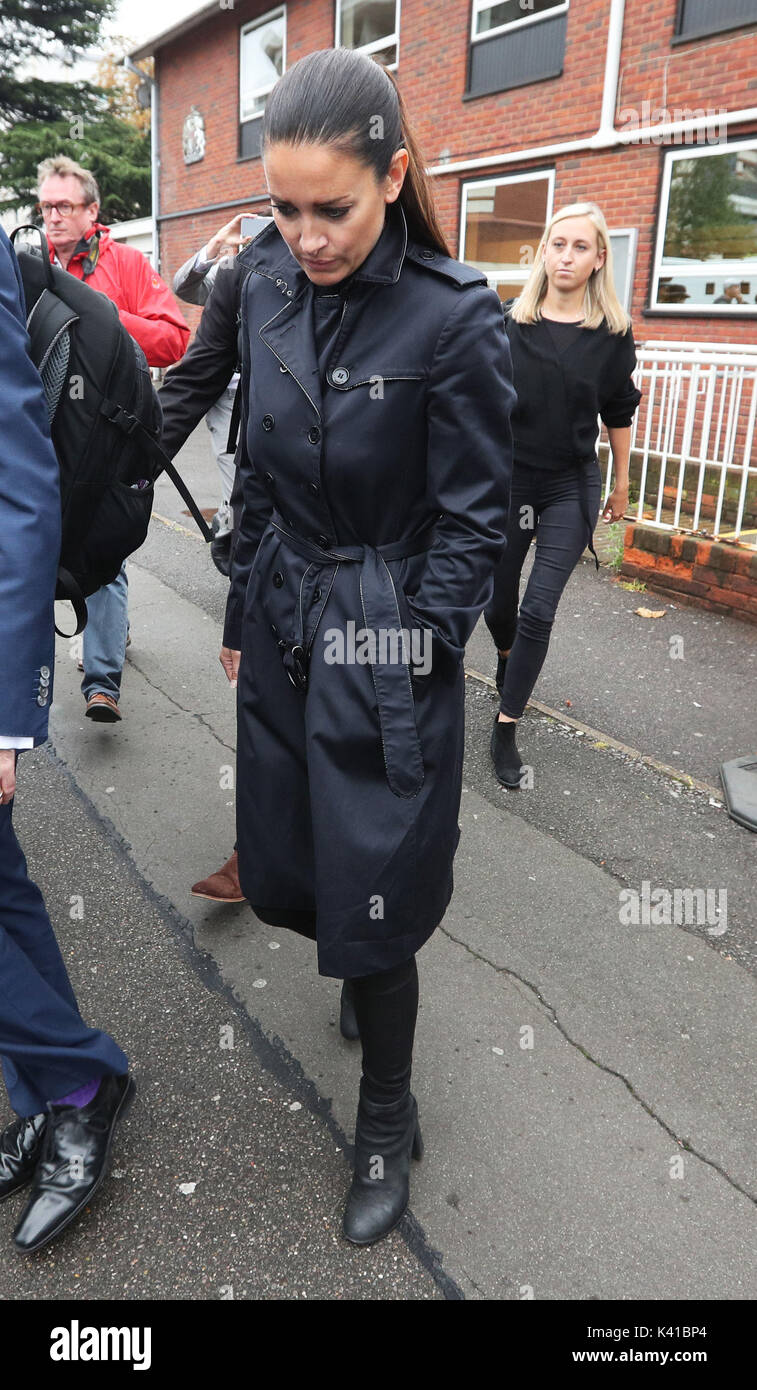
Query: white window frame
[
  {"x": 479, "y": 5},
  {"x": 735, "y": 270},
  {"x": 277, "y": 13},
  {"x": 625, "y": 292},
  {"x": 378, "y": 45},
  {"x": 527, "y": 177}
]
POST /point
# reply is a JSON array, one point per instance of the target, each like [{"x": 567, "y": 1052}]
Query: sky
[{"x": 143, "y": 19}]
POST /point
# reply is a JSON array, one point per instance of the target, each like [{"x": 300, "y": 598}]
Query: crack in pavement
[
  {"x": 193, "y": 714},
  {"x": 603, "y": 1066}
]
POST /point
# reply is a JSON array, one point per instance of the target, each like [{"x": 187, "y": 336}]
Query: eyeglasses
[{"x": 63, "y": 209}]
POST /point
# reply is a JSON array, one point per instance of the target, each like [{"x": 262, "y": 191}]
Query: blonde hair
[
  {"x": 601, "y": 301},
  {"x": 60, "y": 166}
]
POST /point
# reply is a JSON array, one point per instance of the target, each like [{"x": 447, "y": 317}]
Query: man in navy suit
[{"x": 69, "y": 1084}]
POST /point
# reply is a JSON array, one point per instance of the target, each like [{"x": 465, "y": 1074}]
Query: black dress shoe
[
  {"x": 347, "y": 1018},
  {"x": 505, "y": 755},
  {"x": 385, "y": 1137},
  {"x": 20, "y": 1148},
  {"x": 73, "y": 1162}
]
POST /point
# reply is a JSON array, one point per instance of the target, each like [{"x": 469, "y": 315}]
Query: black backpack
[{"x": 105, "y": 422}]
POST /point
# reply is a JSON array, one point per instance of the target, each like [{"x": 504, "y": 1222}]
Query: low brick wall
[{"x": 693, "y": 570}]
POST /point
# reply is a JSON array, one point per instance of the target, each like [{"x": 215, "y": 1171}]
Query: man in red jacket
[{"x": 70, "y": 204}]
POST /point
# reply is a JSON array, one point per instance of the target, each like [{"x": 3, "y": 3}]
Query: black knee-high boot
[{"x": 387, "y": 1130}]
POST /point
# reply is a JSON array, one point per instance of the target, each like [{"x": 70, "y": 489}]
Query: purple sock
[{"x": 81, "y": 1097}]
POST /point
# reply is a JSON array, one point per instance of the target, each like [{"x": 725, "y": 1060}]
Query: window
[
  {"x": 490, "y": 19},
  {"x": 501, "y": 225},
  {"x": 706, "y": 253},
  {"x": 262, "y": 59},
  {"x": 623, "y": 243},
  {"x": 511, "y": 46},
  {"x": 373, "y": 26},
  {"x": 698, "y": 17}
]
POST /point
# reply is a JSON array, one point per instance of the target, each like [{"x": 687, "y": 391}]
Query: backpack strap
[
  {"x": 231, "y": 443},
  {"x": 44, "y": 249},
  {"x": 129, "y": 424},
  {"x": 67, "y": 588},
  {"x": 49, "y": 318}
]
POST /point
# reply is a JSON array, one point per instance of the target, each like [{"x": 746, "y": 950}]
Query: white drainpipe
[
  {"x": 612, "y": 67},
  {"x": 154, "y": 157},
  {"x": 607, "y": 135}
]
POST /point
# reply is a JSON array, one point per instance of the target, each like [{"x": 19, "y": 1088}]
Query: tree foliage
[
  {"x": 100, "y": 125},
  {"x": 50, "y": 29}
]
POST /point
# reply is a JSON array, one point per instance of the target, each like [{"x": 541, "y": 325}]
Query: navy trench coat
[{"x": 377, "y": 502}]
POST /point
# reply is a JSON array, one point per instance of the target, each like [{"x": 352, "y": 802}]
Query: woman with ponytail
[
  {"x": 376, "y": 401},
  {"x": 573, "y": 355}
]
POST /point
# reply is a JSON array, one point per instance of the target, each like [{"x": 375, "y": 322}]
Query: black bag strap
[
  {"x": 231, "y": 443},
  {"x": 44, "y": 247},
  {"x": 129, "y": 424},
  {"x": 67, "y": 588}
]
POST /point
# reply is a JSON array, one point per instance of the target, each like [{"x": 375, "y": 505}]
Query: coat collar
[{"x": 289, "y": 334}]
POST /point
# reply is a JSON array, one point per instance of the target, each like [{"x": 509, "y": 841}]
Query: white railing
[{"x": 697, "y": 416}]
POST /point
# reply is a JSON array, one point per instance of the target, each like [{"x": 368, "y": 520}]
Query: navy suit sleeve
[
  {"x": 29, "y": 519},
  {"x": 469, "y": 466}
]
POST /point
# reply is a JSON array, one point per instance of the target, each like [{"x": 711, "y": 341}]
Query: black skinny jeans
[{"x": 562, "y": 533}]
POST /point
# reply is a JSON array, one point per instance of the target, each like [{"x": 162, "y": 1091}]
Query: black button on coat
[{"x": 389, "y": 512}]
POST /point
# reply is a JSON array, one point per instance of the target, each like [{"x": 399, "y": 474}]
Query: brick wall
[
  {"x": 202, "y": 68},
  {"x": 692, "y": 570}
]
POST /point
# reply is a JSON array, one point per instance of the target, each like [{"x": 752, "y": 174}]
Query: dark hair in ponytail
[{"x": 338, "y": 97}]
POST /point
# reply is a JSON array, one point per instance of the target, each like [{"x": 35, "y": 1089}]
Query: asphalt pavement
[{"x": 585, "y": 1076}]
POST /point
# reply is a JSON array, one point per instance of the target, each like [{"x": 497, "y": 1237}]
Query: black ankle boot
[
  {"x": 505, "y": 755},
  {"x": 385, "y": 1137},
  {"x": 347, "y": 1019},
  {"x": 499, "y": 679}
]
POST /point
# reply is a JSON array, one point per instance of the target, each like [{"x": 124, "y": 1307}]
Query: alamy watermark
[
  {"x": 712, "y": 127},
  {"x": 384, "y": 646},
  {"x": 683, "y": 907}
]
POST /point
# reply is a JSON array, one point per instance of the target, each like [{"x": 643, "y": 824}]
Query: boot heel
[{"x": 418, "y": 1145}]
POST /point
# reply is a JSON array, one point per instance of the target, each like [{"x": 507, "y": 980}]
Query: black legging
[
  {"x": 386, "y": 1007},
  {"x": 563, "y": 520}
]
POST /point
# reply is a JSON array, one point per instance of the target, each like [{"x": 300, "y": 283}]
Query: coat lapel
[{"x": 289, "y": 335}]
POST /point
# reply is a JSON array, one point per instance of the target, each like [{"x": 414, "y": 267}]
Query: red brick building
[{"x": 521, "y": 106}]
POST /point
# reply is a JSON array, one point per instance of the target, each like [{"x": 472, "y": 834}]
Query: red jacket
[{"x": 146, "y": 307}]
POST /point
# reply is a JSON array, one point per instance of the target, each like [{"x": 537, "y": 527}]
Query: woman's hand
[
  {"x": 616, "y": 505},
  {"x": 229, "y": 659},
  {"x": 227, "y": 239},
  {"x": 7, "y": 774}
]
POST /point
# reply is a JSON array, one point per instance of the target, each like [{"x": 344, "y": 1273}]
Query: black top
[
  {"x": 328, "y": 307},
  {"x": 563, "y": 334},
  {"x": 565, "y": 376}
]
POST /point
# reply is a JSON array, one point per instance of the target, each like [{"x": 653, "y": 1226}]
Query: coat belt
[{"x": 394, "y": 692}]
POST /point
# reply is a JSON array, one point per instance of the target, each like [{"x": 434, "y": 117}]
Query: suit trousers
[{"x": 46, "y": 1048}]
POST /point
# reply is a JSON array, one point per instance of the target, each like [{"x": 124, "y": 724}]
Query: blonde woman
[{"x": 573, "y": 355}]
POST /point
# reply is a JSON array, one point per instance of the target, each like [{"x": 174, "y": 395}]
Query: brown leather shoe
[
  {"x": 223, "y": 887},
  {"x": 103, "y": 708}
]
